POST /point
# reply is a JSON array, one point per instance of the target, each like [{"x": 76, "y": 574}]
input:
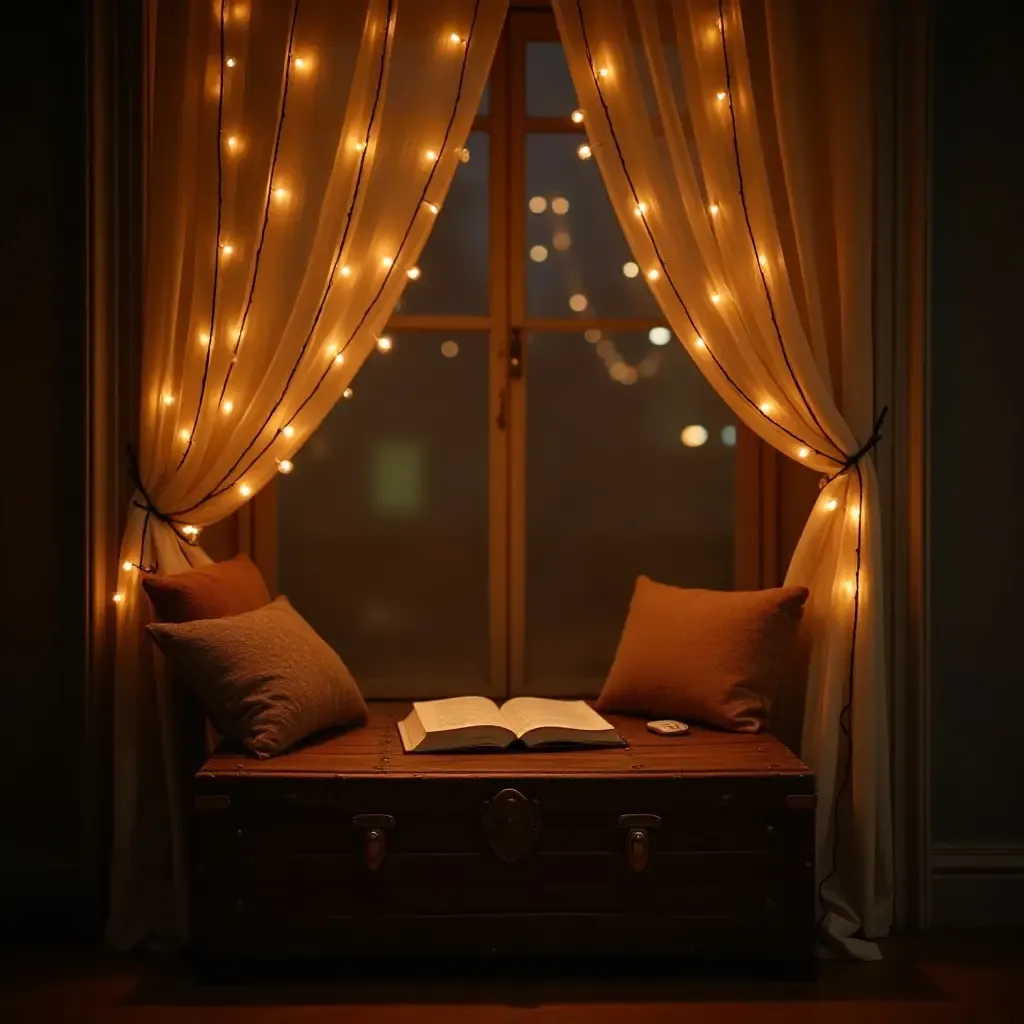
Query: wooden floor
[{"x": 978, "y": 979}]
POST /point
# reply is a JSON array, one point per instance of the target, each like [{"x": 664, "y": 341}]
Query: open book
[{"x": 462, "y": 723}]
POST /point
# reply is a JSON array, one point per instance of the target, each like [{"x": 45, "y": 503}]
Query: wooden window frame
[{"x": 758, "y": 560}]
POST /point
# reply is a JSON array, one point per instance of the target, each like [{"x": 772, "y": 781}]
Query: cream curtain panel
[
  {"x": 298, "y": 152},
  {"x": 735, "y": 140}
]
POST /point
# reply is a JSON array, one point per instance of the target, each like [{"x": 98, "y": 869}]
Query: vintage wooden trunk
[{"x": 702, "y": 844}]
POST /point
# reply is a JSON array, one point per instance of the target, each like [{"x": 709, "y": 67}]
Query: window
[{"x": 473, "y": 518}]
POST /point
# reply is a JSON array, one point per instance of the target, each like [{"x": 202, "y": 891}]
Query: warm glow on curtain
[
  {"x": 736, "y": 144},
  {"x": 300, "y": 151}
]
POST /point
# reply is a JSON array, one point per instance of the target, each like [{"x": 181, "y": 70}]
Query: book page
[
  {"x": 458, "y": 713},
  {"x": 526, "y": 713}
]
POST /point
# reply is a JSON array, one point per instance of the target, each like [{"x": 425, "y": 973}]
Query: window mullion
[
  {"x": 498, "y": 377},
  {"x": 517, "y": 383}
]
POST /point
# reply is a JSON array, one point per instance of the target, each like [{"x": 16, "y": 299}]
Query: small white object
[{"x": 668, "y": 727}]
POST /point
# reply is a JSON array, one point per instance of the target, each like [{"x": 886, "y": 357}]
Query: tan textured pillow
[
  {"x": 265, "y": 677},
  {"x": 209, "y": 592},
  {"x": 711, "y": 655}
]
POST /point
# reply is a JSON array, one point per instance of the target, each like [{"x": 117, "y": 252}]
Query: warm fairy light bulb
[
  {"x": 433, "y": 208},
  {"x": 167, "y": 398},
  {"x": 281, "y": 194},
  {"x": 387, "y": 261},
  {"x": 413, "y": 273},
  {"x": 831, "y": 505},
  {"x": 204, "y": 339},
  {"x": 463, "y": 155},
  {"x": 699, "y": 342},
  {"x": 244, "y": 490},
  {"x": 653, "y": 275},
  {"x": 560, "y": 205},
  {"x": 303, "y": 64},
  {"x": 802, "y": 453},
  {"x": 455, "y": 39},
  {"x": 766, "y": 407},
  {"x": 384, "y": 344},
  {"x": 288, "y": 430},
  {"x": 850, "y": 587},
  {"x": 233, "y": 143},
  {"x": 339, "y": 359},
  {"x": 344, "y": 271},
  {"x": 285, "y": 466},
  {"x": 332, "y": 350},
  {"x": 127, "y": 566},
  {"x": 641, "y": 209},
  {"x": 430, "y": 155},
  {"x": 855, "y": 512},
  {"x": 184, "y": 434},
  {"x": 538, "y": 253},
  {"x": 230, "y": 62},
  {"x": 228, "y": 407},
  {"x": 577, "y": 302},
  {"x": 630, "y": 269},
  {"x": 603, "y": 72},
  {"x": 577, "y": 117},
  {"x": 584, "y": 152},
  {"x": 118, "y": 598},
  {"x": 227, "y": 249},
  {"x": 763, "y": 260},
  {"x": 713, "y": 209},
  {"x": 359, "y": 147},
  {"x": 190, "y": 531},
  {"x": 347, "y": 393},
  {"x": 721, "y": 95}
]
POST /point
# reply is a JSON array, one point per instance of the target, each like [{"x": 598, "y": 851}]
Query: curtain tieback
[
  {"x": 150, "y": 508},
  {"x": 865, "y": 448}
]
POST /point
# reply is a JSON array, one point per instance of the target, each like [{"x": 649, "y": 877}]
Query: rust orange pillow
[
  {"x": 209, "y": 592},
  {"x": 713, "y": 656}
]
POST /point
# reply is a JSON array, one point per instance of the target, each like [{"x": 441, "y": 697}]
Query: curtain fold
[
  {"x": 298, "y": 155},
  {"x": 735, "y": 140}
]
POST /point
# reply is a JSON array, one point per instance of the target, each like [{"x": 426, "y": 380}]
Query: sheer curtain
[
  {"x": 298, "y": 154},
  {"x": 735, "y": 140}
]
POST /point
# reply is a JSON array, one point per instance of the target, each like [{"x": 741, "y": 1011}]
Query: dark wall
[
  {"x": 977, "y": 505},
  {"x": 43, "y": 473}
]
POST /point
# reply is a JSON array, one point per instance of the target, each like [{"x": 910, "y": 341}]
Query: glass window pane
[
  {"x": 577, "y": 259},
  {"x": 549, "y": 88},
  {"x": 630, "y": 469},
  {"x": 383, "y": 525},
  {"x": 454, "y": 264}
]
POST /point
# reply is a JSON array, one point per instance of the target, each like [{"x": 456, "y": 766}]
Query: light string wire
[
  {"x": 266, "y": 208},
  {"x": 750, "y": 234},
  {"x": 216, "y": 251},
  {"x": 657, "y": 252},
  {"x": 223, "y": 486},
  {"x": 327, "y": 288},
  {"x": 845, "y": 726}
]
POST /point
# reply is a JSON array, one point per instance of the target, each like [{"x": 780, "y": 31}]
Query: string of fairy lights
[
  {"x": 276, "y": 193},
  {"x": 658, "y": 272},
  {"x": 299, "y": 64}
]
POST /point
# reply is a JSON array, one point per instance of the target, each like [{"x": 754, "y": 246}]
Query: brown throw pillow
[
  {"x": 209, "y": 592},
  {"x": 711, "y": 655},
  {"x": 265, "y": 677}
]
